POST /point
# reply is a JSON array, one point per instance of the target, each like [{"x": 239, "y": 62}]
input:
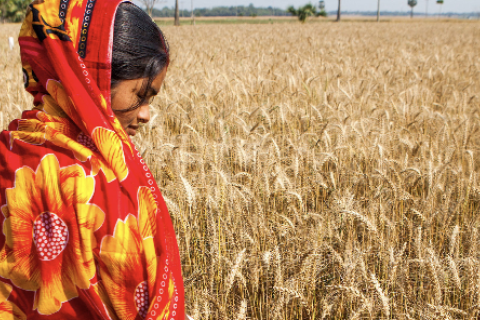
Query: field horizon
[{"x": 184, "y": 21}]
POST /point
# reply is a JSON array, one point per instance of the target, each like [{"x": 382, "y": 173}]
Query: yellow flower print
[
  {"x": 130, "y": 249},
  {"x": 49, "y": 11},
  {"x": 72, "y": 22},
  {"x": 121, "y": 133},
  {"x": 123, "y": 272},
  {"x": 60, "y": 98},
  {"x": 111, "y": 148},
  {"x": 8, "y": 310},
  {"x": 73, "y": 30},
  {"x": 147, "y": 211},
  {"x": 103, "y": 103},
  {"x": 99, "y": 289},
  {"x": 26, "y": 30},
  {"x": 117, "y": 127},
  {"x": 36, "y": 138},
  {"x": 81, "y": 153},
  {"x": 49, "y": 228},
  {"x": 52, "y": 111},
  {"x": 63, "y": 134}
]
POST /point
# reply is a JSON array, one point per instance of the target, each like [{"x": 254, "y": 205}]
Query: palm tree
[
  {"x": 304, "y": 12},
  {"x": 412, "y": 3}
]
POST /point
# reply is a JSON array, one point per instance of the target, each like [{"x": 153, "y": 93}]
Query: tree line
[
  {"x": 14, "y": 11},
  {"x": 232, "y": 11}
]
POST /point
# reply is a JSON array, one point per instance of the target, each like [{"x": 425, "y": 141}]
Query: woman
[{"x": 86, "y": 233}]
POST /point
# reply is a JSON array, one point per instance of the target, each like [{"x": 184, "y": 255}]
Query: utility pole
[
  {"x": 177, "y": 14},
  {"x": 440, "y": 2},
  {"x": 378, "y": 11},
  {"x": 193, "y": 17},
  {"x": 426, "y": 10},
  {"x": 339, "y": 14}
]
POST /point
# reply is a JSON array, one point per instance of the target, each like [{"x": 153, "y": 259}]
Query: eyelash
[{"x": 136, "y": 106}]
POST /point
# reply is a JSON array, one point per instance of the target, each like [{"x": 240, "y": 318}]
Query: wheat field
[{"x": 317, "y": 171}]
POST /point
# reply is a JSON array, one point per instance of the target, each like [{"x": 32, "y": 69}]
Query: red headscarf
[{"x": 86, "y": 233}]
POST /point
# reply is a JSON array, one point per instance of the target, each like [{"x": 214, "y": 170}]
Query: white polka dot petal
[
  {"x": 50, "y": 235},
  {"x": 142, "y": 301}
]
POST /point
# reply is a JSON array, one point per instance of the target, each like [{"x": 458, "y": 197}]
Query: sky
[{"x": 331, "y": 5}]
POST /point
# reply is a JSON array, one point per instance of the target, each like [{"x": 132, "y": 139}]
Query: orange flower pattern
[
  {"x": 86, "y": 233},
  {"x": 49, "y": 227},
  {"x": 111, "y": 148},
  {"x": 124, "y": 274},
  {"x": 8, "y": 310},
  {"x": 130, "y": 249}
]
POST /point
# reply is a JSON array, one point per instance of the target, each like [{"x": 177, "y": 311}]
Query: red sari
[{"x": 86, "y": 233}]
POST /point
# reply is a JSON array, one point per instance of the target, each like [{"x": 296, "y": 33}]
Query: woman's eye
[{"x": 143, "y": 100}]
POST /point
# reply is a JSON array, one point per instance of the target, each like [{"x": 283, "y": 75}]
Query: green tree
[
  {"x": 412, "y": 3},
  {"x": 304, "y": 12},
  {"x": 13, "y": 10},
  {"x": 149, "y": 5}
]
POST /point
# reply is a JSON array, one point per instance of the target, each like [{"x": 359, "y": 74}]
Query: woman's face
[{"x": 127, "y": 94}]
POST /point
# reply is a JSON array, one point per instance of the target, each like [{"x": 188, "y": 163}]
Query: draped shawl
[{"x": 86, "y": 233}]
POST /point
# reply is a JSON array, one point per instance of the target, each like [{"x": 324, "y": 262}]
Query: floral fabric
[{"x": 86, "y": 233}]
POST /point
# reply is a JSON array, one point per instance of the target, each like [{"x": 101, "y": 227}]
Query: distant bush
[
  {"x": 306, "y": 11},
  {"x": 13, "y": 10}
]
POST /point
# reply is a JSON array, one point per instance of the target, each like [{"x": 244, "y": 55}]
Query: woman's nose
[{"x": 144, "y": 114}]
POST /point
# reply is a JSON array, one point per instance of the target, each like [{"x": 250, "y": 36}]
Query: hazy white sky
[{"x": 348, "y": 5}]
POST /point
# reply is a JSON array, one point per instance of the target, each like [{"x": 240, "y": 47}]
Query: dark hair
[{"x": 140, "y": 49}]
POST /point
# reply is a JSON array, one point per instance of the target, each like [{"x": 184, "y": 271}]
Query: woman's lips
[{"x": 131, "y": 130}]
